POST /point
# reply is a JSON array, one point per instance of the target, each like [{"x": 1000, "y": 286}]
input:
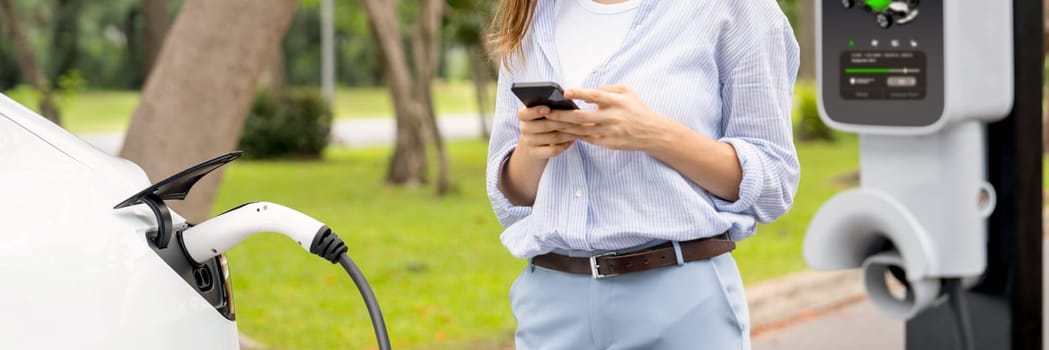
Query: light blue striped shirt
[{"x": 725, "y": 69}]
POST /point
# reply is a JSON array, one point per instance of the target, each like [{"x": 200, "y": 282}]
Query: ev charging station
[{"x": 946, "y": 97}]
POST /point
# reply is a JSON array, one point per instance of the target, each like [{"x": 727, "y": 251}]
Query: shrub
[
  {"x": 296, "y": 125},
  {"x": 809, "y": 125}
]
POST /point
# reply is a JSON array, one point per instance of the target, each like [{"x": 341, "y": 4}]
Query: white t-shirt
[{"x": 587, "y": 33}]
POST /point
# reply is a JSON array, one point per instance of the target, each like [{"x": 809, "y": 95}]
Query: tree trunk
[
  {"x": 807, "y": 25},
  {"x": 479, "y": 75},
  {"x": 154, "y": 28},
  {"x": 31, "y": 70},
  {"x": 408, "y": 164},
  {"x": 195, "y": 101},
  {"x": 429, "y": 33}
]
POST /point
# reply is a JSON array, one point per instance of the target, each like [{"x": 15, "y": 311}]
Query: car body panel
[{"x": 77, "y": 273}]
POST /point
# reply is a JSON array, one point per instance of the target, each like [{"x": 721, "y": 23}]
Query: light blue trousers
[{"x": 697, "y": 305}]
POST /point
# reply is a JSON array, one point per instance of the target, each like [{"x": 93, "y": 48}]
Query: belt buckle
[{"x": 594, "y": 266}]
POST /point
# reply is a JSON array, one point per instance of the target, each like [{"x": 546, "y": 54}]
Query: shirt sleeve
[
  {"x": 758, "y": 65},
  {"x": 505, "y": 133}
]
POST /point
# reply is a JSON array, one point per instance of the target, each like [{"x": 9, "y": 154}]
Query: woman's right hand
[
  {"x": 540, "y": 140},
  {"x": 540, "y": 137}
]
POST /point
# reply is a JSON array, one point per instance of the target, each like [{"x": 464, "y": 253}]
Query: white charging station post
[{"x": 946, "y": 97}]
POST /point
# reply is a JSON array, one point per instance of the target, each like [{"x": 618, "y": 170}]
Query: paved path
[
  {"x": 855, "y": 327},
  {"x": 364, "y": 132}
]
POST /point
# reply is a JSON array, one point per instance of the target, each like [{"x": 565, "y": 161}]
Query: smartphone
[{"x": 543, "y": 93}]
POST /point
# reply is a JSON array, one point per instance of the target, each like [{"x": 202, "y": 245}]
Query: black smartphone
[{"x": 543, "y": 93}]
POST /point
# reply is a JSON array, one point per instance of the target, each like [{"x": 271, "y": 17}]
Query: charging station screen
[
  {"x": 882, "y": 75},
  {"x": 881, "y": 61}
]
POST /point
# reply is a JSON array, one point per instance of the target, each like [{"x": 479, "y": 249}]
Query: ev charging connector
[
  {"x": 201, "y": 244},
  {"x": 221, "y": 233},
  {"x": 918, "y": 91}
]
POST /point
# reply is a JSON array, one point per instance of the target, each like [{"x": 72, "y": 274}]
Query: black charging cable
[
  {"x": 956, "y": 294},
  {"x": 328, "y": 246}
]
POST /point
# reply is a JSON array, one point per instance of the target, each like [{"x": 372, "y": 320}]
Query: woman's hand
[
  {"x": 622, "y": 121},
  {"x": 540, "y": 136},
  {"x": 540, "y": 140}
]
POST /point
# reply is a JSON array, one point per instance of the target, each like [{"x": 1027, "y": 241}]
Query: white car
[{"x": 91, "y": 258}]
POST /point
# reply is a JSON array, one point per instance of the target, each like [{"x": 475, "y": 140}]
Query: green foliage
[
  {"x": 467, "y": 20},
  {"x": 65, "y": 39},
  {"x": 294, "y": 125},
  {"x": 809, "y": 126},
  {"x": 68, "y": 86},
  {"x": 463, "y": 29},
  {"x": 71, "y": 82},
  {"x": 302, "y": 47}
]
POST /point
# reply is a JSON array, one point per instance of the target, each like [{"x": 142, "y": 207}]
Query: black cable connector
[{"x": 328, "y": 245}]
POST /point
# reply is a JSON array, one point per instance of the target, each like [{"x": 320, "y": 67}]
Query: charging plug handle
[{"x": 218, "y": 234}]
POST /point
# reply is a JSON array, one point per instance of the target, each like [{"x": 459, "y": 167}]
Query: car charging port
[{"x": 202, "y": 276}]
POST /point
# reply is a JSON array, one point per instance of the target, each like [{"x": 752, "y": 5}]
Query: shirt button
[{"x": 579, "y": 193}]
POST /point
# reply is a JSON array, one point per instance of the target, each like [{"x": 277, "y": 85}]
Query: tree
[
  {"x": 195, "y": 101},
  {"x": 31, "y": 70},
  {"x": 154, "y": 27},
  {"x": 412, "y": 95}
]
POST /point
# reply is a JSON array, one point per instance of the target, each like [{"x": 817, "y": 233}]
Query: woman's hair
[{"x": 508, "y": 29}]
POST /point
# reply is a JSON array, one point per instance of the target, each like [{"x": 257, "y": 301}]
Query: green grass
[
  {"x": 103, "y": 111},
  {"x": 88, "y": 111},
  {"x": 436, "y": 264}
]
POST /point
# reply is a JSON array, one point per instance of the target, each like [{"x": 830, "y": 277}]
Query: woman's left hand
[{"x": 622, "y": 121}]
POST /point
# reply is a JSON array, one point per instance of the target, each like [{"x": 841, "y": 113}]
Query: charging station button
[
  {"x": 902, "y": 81},
  {"x": 855, "y": 94}
]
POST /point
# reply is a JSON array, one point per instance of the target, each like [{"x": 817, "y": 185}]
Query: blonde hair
[{"x": 508, "y": 29}]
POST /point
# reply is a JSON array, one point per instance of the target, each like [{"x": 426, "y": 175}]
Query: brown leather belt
[{"x": 611, "y": 264}]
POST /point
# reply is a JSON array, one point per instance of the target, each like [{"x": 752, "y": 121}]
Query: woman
[{"x": 627, "y": 209}]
